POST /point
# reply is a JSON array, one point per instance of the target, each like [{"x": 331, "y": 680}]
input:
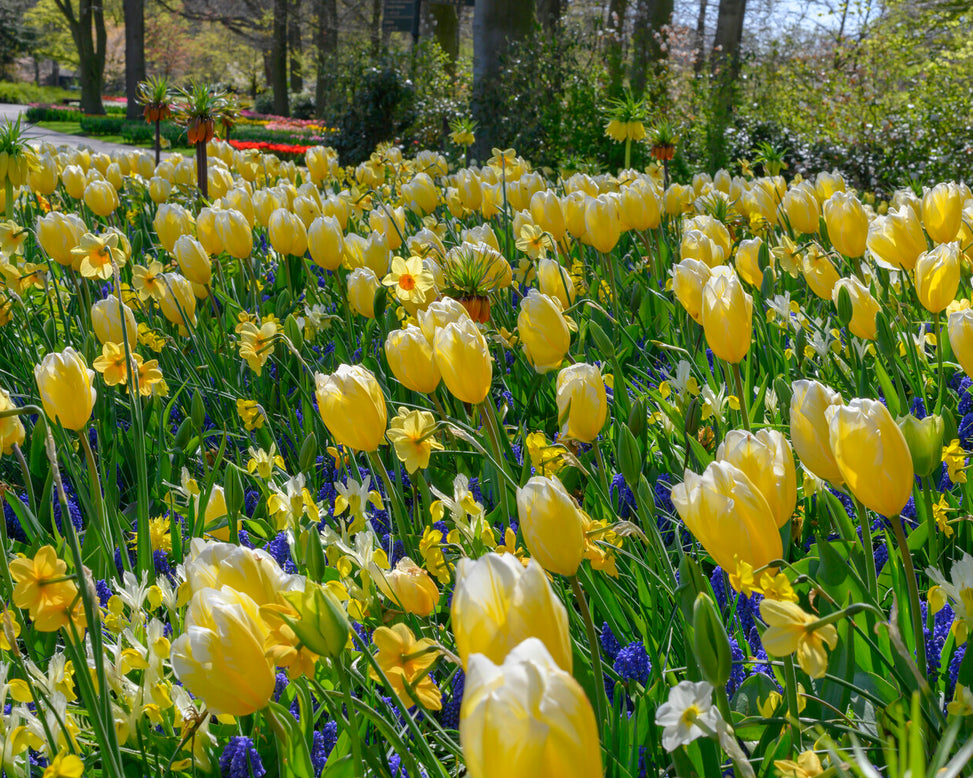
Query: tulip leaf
[{"x": 293, "y": 755}]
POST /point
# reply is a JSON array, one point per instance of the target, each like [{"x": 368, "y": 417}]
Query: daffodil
[
  {"x": 43, "y": 586},
  {"x": 147, "y": 280},
  {"x": 955, "y": 458},
  {"x": 789, "y": 631},
  {"x": 409, "y": 279},
  {"x": 250, "y": 413},
  {"x": 534, "y": 242},
  {"x": 263, "y": 462},
  {"x": 411, "y": 433},
  {"x": 112, "y": 364},
  {"x": 256, "y": 345},
  {"x": 405, "y": 662},
  {"x": 97, "y": 253},
  {"x": 355, "y": 498}
]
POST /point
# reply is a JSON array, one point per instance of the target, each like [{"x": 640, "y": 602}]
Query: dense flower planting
[{"x": 404, "y": 470}]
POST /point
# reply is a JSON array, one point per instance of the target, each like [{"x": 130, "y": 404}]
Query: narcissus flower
[
  {"x": 788, "y": 632},
  {"x": 410, "y": 281},
  {"x": 411, "y": 433},
  {"x": 685, "y": 713},
  {"x": 406, "y": 662},
  {"x": 96, "y": 253},
  {"x": 257, "y": 344},
  {"x": 42, "y": 586}
]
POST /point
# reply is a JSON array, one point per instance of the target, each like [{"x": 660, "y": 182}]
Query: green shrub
[
  {"x": 17, "y": 93},
  {"x": 102, "y": 125},
  {"x": 381, "y": 111},
  {"x": 51, "y": 113}
]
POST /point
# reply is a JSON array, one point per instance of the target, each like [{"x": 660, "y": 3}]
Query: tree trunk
[
  {"x": 326, "y": 42},
  {"x": 650, "y": 17},
  {"x": 134, "y": 54},
  {"x": 88, "y": 31},
  {"x": 549, "y": 15},
  {"x": 615, "y": 45},
  {"x": 296, "y": 44},
  {"x": 725, "y": 64},
  {"x": 278, "y": 59},
  {"x": 375, "y": 28},
  {"x": 496, "y": 24},
  {"x": 700, "y": 59},
  {"x": 441, "y": 21}
]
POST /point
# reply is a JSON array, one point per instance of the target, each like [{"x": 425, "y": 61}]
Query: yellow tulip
[
  {"x": 819, "y": 272},
  {"x": 235, "y": 234},
  {"x": 265, "y": 203},
  {"x": 809, "y": 428},
  {"x": 546, "y": 211},
  {"x": 826, "y": 184},
  {"x": 800, "y": 205},
  {"x": 178, "y": 302},
  {"x": 193, "y": 260},
  {"x": 411, "y": 359},
  {"x": 499, "y": 602},
  {"x": 552, "y": 525},
  {"x": 59, "y": 234},
  {"x": 747, "y": 261},
  {"x": 847, "y": 223},
  {"x": 603, "y": 227},
  {"x": 172, "y": 221},
  {"x": 352, "y": 407},
  {"x": 42, "y": 179},
  {"x": 713, "y": 229},
  {"x": 582, "y": 402},
  {"x": 306, "y": 209},
  {"x": 438, "y": 314},
  {"x": 961, "y": 338},
  {"x": 101, "y": 198},
  {"x": 287, "y": 233},
  {"x": 864, "y": 307},
  {"x": 555, "y": 281},
  {"x": 420, "y": 194},
  {"x": 464, "y": 360},
  {"x": 767, "y": 460},
  {"x": 727, "y": 315},
  {"x": 688, "y": 279},
  {"x": 326, "y": 242},
  {"x": 362, "y": 285},
  {"x": 527, "y": 717},
  {"x": 12, "y": 430},
  {"x": 677, "y": 199},
  {"x": 408, "y": 586},
  {"x": 106, "y": 321},
  {"x": 942, "y": 212},
  {"x": 74, "y": 182},
  {"x": 211, "y": 564},
  {"x": 574, "y": 206},
  {"x": 159, "y": 189},
  {"x": 896, "y": 238},
  {"x": 322, "y": 163},
  {"x": 207, "y": 231},
  {"x": 640, "y": 208},
  {"x": 938, "y": 276},
  {"x": 543, "y": 330},
  {"x": 65, "y": 385},
  {"x": 390, "y": 222},
  {"x": 729, "y": 516},
  {"x": 700, "y": 246},
  {"x": 239, "y": 200},
  {"x": 872, "y": 454},
  {"x": 219, "y": 657}
]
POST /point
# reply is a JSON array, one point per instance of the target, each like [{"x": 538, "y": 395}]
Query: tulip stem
[
  {"x": 398, "y": 510},
  {"x": 793, "y": 707},
  {"x": 28, "y": 484},
  {"x": 601, "y": 702},
  {"x": 350, "y": 713},
  {"x": 910, "y": 578},
  {"x": 939, "y": 360},
  {"x": 490, "y": 423},
  {"x": 744, "y": 410},
  {"x": 871, "y": 578},
  {"x": 931, "y": 527},
  {"x": 104, "y": 529}
]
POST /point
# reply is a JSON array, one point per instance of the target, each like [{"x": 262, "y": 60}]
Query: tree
[
  {"x": 615, "y": 48},
  {"x": 278, "y": 59},
  {"x": 134, "y": 53},
  {"x": 326, "y": 45},
  {"x": 441, "y": 20},
  {"x": 725, "y": 63},
  {"x": 87, "y": 25},
  {"x": 650, "y": 17},
  {"x": 496, "y": 24},
  {"x": 549, "y": 15},
  {"x": 16, "y": 35},
  {"x": 295, "y": 44}
]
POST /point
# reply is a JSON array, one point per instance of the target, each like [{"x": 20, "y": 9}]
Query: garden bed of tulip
[{"x": 404, "y": 470}]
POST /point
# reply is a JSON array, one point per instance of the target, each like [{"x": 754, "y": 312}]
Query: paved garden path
[{"x": 38, "y": 135}]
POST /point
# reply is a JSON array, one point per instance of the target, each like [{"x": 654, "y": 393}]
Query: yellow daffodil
[{"x": 411, "y": 433}]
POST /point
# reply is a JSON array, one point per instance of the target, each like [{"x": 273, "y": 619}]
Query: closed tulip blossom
[
  {"x": 544, "y": 331},
  {"x": 411, "y": 358},
  {"x": 582, "y": 402},
  {"x": 810, "y": 433},
  {"x": 464, "y": 360},
  {"x": 552, "y": 525},
  {"x": 352, "y": 407},
  {"x": 727, "y": 315},
  {"x": 942, "y": 212},
  {"x": 938, "y": 276},
  {"x": 960, "y": 330},
  {"x": 847, "y": 223},
  {"x": 408, "y": 586},
  {"x": 65, "y": 385},
  {"x": 527, "y": 717},
  {"x": 688, "y": 279},
  {"x": 767, "y": 460},
  {"x": 864, "y": 307}
]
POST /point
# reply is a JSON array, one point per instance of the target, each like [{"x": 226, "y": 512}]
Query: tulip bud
[
  {"x": 499, "y": 602},
  {"x": 871, "y": 454},
  {"x": 12, "y": 430},
  {"x": 60, "y": 233},
  {"x": 555, "y": 281},
  {"x": 552, "y": 525},
  {"x": 767, "y": 460},
  {"x": 411, "y": 359},
  {"x": 924, "y": 438},
  {"x": 207, "y": 231},
  {"x": 101, "y": 198},
  {"x": 506, "y": 706},
  {"x": 574, "y": 208},
  {"x": 688, "y": 279},
  {"x": 938, "y": 276},
  {"x": 640, "y": 207},
  {"x": 820, "y": 273},
  {"x": 352, "y": 407},
  {"x": 73, "y": 179},
  {"x": 863, "y": 306},
  {"x": 960, "y": 328},
  {"x": 178, "y": 302},
  {"x": 747, "y": 261},
  {"x": 193, "y": 260},
  {"x": 896, "y": 238},
  {"x": 801, "y": 207},
  {"x": 582, "y": 402},
  {"x": 362, "y": 286},
  {"x": 106, "y": 321},
  {"x": 464, "y": 360},
  {"x": 321, "y": 624},
  {"x": 65, "y": 386},
  {"x": 543, "y": 330},
  {"x": 170, "y": 222},
  {"x": 235, "y": 234},
  {"x": 710, "y": 642},
  {"x": 728, "y": 515},
  {"x": 545, "y": 209},
  {"x": 809, "y": 428},
  {"x": 727, "y": 315},
  {"x": 942, "y": 212},
  {"x": 408, "y": 586},
  {"x": 847, "y": 223},
  {"x": 159, "y": 189},
  {"x": 602, "y": 223},
  {"x": 287, "y": 233},
  {"x": 700, "y": 246}
]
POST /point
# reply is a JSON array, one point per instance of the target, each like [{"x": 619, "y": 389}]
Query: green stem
[
  {"x": 914, "y": 612},
  {"x": 353, "y": 733},
  {"x": 602, "y": 473},
  {"x": 492, "y": 427},
  {"x": 871, "y": 578},
  {"x": 104, "y": 529},
  {"x": 744, "y": 410},
  {"x": 601, "y": 701},
  {"x": 628, "y": 153},
  {"x": 398, "y": 510},
  {"x": 793, "y": 711},
  {"x": 610, "y": 269},
  {"x": 939, "y": 360},
  {"x": 28, "y": 484},
  {"x": 931, "y": 527}
]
